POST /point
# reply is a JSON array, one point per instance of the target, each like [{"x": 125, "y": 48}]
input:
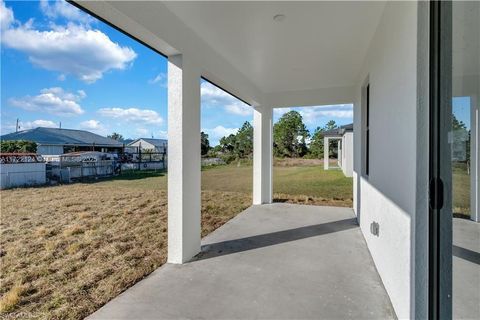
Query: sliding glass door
[{"x": 454, "y": 160}]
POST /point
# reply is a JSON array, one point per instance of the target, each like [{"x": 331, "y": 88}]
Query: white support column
[
  {"x": 474, "y": 160},
  {"x": 184, "y": 203},
  {"x": 326, "y": 153},
  {"x": 339, "y": 153},
  {"x": 262, "y": 155}
]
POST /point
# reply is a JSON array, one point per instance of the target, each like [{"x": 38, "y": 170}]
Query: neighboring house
[
  {"x": 56, "y": 141},
  {"x": 149, "y": 144},
  {"x": 344, "y": 137}
]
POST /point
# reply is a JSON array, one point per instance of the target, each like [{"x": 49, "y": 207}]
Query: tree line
[
  {"x": 291, "y": 139},
  {"x": 18, "y": 146}
]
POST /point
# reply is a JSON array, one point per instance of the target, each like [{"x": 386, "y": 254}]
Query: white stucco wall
[{"x": 388, "y": 195}]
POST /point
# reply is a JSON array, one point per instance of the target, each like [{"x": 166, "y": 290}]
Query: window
[{"x": 366, "y": 130}]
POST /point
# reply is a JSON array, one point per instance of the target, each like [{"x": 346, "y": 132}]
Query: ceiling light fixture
[{"x": 279, "y": 17}]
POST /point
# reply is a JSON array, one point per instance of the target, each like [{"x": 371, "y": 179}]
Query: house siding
[{"x": 49, "y": 150}]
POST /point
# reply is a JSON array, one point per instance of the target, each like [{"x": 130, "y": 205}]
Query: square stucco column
[
  {"x": 184, "y": 203},
  {"x": 326, "y": 153},
  {"x": 262, "y": 155},
  {"x": 475, "y": 160}
]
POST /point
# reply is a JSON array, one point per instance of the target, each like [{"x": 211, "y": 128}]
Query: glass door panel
[{"x": 463, "y": 139}]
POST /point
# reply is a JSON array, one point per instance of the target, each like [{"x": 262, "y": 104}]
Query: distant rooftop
[
  {"x": 340, "y": 131},
  {"x": 155, "y": 142},
  {"x": 58, "y": 136}
]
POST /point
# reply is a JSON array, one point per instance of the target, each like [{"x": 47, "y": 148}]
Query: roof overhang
[{"x": 312, "y": 57}]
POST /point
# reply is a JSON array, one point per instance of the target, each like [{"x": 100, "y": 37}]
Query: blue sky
[
  {"x": 60, "y": 65},
  {"x": 461, "y": 109}
]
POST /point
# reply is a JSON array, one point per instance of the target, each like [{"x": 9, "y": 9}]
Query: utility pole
[{"x": 16, "y": 126}]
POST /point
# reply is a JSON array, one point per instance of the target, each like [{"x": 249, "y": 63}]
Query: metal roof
[
  {"x": 152, "y": 141},
  {"x": 57, "y": 136},
  {"x": 340, "y": 131}
]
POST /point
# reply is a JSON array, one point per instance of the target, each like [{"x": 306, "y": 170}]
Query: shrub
[
  {"x": 228, "y": 157},
  {"x": 18, "y": 146}
]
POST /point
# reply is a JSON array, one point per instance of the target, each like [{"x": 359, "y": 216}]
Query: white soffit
[{"x": 317, "y": 45}]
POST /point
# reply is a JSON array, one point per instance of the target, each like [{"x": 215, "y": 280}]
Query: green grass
[
  {"x": 312, "y": 181},
  {"x": 461, "y": 189},
  {"x": 299, "y": 180}
]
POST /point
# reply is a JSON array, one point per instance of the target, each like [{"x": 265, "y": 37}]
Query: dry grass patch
[
  {"x": 72, "y": 260},
  {"x": 10, "y": 299},
  {"x": 294, "y": 162}
]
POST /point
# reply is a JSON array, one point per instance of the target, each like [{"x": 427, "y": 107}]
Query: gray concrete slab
[
  {"x": 466, "y": 269},
  {"x": 278, "y": 261}
]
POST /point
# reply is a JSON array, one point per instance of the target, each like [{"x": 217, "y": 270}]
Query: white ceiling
[{"x": 318, "y": 45}]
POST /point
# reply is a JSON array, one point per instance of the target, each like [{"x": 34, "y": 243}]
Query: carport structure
[{"x": 374, "y": 55}]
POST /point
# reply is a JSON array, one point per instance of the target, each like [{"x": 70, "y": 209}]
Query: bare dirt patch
[{"x": 312, "y": 201}]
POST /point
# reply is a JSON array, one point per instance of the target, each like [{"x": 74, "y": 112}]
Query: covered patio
[
  {"x": 280, "y": 261},
  {"x": 277, "y": 261}
]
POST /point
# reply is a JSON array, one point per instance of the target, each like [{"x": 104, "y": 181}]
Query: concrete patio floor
[
  {"x": 466, "y": 269},
  {"x": 278, "y": 261}
]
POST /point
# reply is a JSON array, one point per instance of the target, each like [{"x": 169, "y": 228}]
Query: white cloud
[
  {"x": 91, "y": 124},
  {"x": 132, "y": 115},
  {"x": 25, "y": 125},
  {"x": 37, "y": 123},
  {"x": 240, "y": 109},
  {"x": 311, "y": 115},
  {"x": 61, "y": 8},
  {"x": 219, "y": 132},
  {"x": 160, "y": 78},
  {"x": 278, "y": 112},
  {"x": 73, "y": 49},
  {"x": 94, "y": 126},
  {"x": 54, "y": 101},
  {"x": 6, "y": 16},
  {"x": 213, "y": 96}
]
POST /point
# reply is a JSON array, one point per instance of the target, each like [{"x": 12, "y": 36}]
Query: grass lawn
[
  {"x": 461, "y": 190},
  {"x": 67, "y": 250}
]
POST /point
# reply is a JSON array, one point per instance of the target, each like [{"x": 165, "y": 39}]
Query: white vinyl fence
[{"x": 22, "y": 174}]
